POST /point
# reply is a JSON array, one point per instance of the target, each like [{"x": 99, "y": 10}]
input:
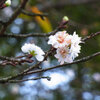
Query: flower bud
[{"x": 65, "y": 18}]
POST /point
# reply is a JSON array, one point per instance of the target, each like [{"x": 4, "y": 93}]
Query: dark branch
[
  {"x": 91, "y": 36},
  {"x": 34, "y": 14},
  {"x": 18, "y": 81},
  {"x": 15, "y": 61},
  {"x": 84, "y": 59},
  {"x": 26, "y": 35}
]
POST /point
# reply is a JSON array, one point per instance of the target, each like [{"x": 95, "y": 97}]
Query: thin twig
[
  {"x": 26, "y": 35},
  {"x": 34, "y": 14},
  {"x": 36, "y": 78},
  {"x": 91, "y": 36},
  {"x": 14, "y": 61}
]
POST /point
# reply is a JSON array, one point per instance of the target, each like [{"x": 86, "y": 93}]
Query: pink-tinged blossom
[
  {"x": 63, "y": 55},
  {"x": 67, "y": 46},
  {"x": 34, "y": 50},
  {"x": 59, "y": 39}
]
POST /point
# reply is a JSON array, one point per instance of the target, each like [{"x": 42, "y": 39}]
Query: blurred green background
[{"x": 75, "y": 82}]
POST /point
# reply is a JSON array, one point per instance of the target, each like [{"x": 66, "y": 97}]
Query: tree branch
[
  {"x": 34, "y": 14},
  {"x": 45, "y": 35},
  {"x": 84, "y": 59},
  {"x": 26, "y": 35},
  {"x": 91, "y": 36},
  {"x": 15, "y": 61},
  {"x": 18, "y": 81}
]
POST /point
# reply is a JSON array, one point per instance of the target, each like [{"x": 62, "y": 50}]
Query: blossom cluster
[{"x": 67, "y": 46}]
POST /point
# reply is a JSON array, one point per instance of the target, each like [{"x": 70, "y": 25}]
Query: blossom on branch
[
  {"x": 67, "y": 46},
  {"x": 8, "y": 3},
  {"x": 33, "y": 50}
]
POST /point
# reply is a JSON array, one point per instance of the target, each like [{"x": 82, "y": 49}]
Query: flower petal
[{"x": 39, "y": 57}]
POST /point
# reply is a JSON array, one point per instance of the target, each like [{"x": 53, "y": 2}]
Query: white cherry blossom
[
  {"x": 75, "y": 47},
  {"x": 34, "y": 50},
  {"x": 75, "y": 39}
]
